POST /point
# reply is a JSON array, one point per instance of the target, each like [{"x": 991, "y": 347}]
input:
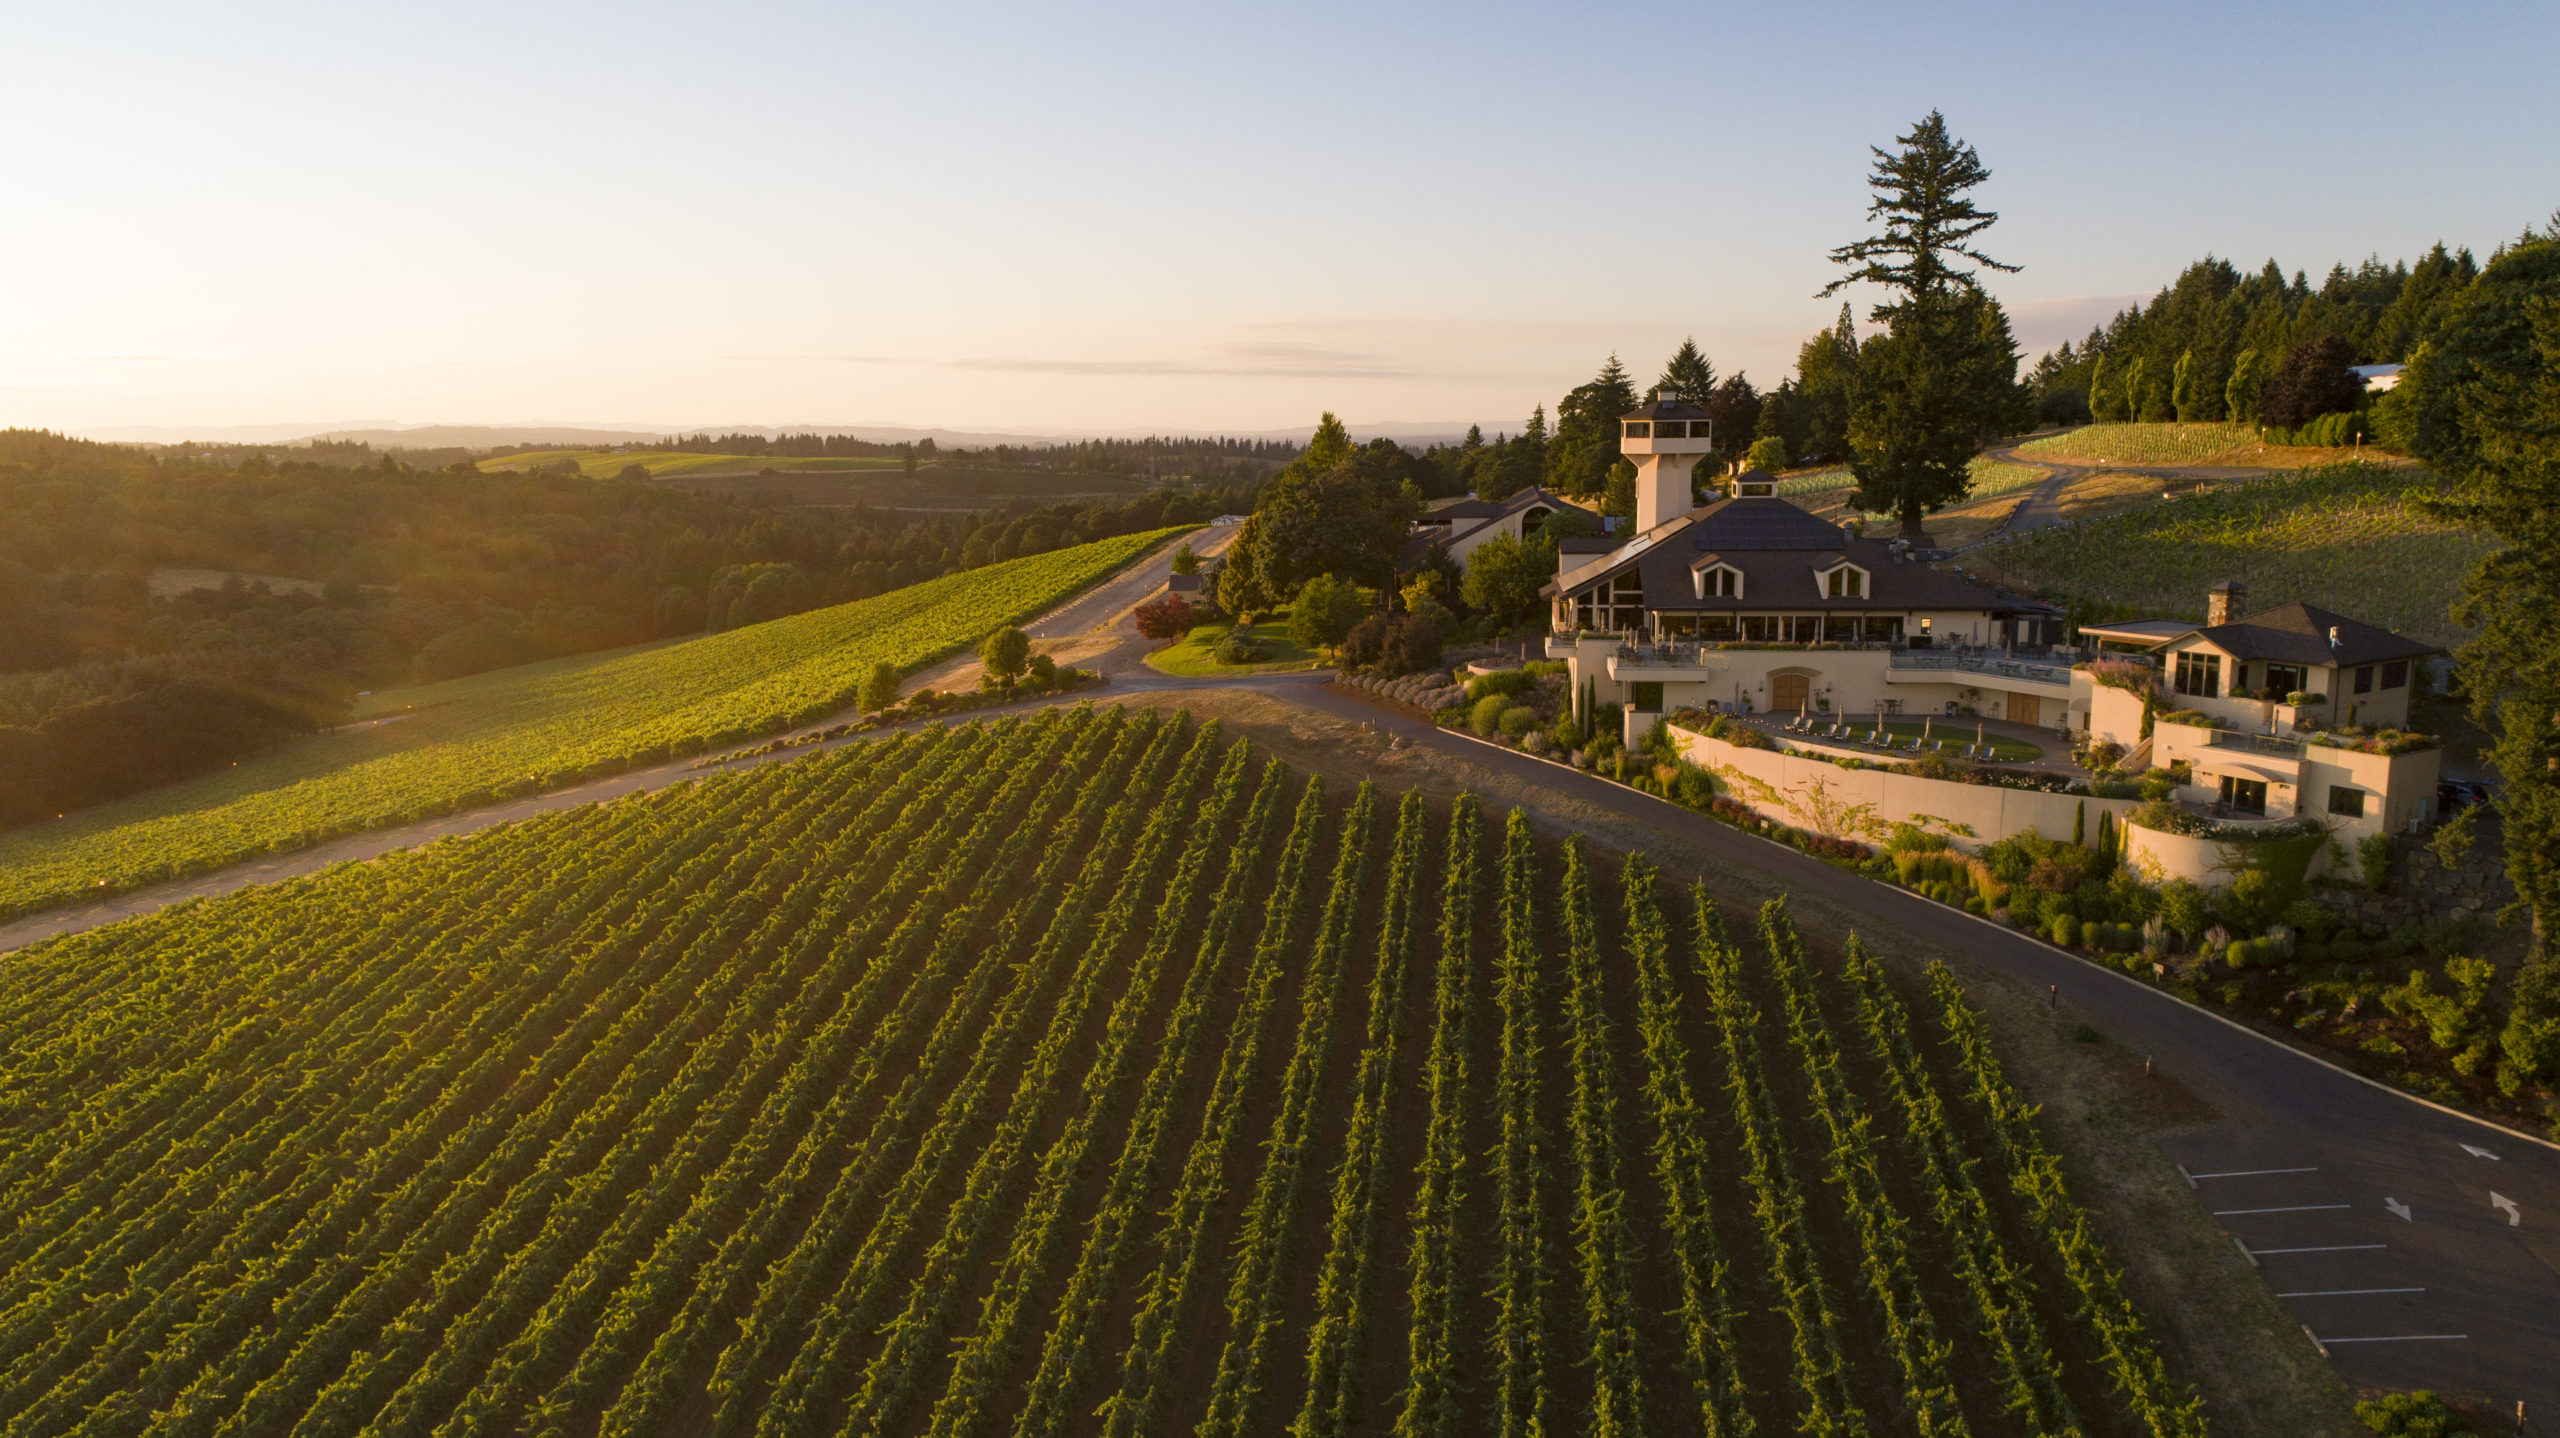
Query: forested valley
[{"x": 165, "y": 614}]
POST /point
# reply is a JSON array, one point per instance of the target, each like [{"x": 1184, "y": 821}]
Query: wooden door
[
  {"x": 2023, "y": 708},
  {"x": 1786, "y": 692}
]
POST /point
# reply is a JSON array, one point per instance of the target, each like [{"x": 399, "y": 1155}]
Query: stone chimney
[{"x": 2222, "y": 605}]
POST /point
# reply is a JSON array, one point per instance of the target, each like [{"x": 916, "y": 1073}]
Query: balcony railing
[
  {"x": 1992, "y": 664},
  {"x": 1681, "y": 654},
  {"x": 2267, "y": 744}
]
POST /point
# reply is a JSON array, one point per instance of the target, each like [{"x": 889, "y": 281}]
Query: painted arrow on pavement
[
  {"x": 2399, "y": 1208},
  {"x": 2481, "y": 1153},
  {"x": 2500, "y": 1200}
]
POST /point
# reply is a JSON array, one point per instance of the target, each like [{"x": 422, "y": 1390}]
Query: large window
[
  {"x": 2364, "y": 680},
  {"x": 2346, "y": 802},
  {"x": 1841, "y": 629},
  {"x": 1719, "y": 628},
  {"x": 2244, "y": 796},
  {"x": 1883, "y": 628},
  {"x": 2199, "y": 674},
  {"x": 1648, "y": 696},
  {"x": 1639, "y": 429},
  {"x": 2395, "y": 674},
  {"x": 2285, "y": 678},
  {"x": 1760, "y": 628}
]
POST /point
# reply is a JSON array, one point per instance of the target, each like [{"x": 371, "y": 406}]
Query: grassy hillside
[
  {"x": 2172, "y": 445},
  {"x": 971, "y": 1081},
  {"x": 519, "y": 730},
  {"x": 2346, "y": 537}
]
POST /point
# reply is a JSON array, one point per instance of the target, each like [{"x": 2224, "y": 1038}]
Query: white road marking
[
  {"x": 2345, "y": 1292},
  {"x": 2244, "y": 1173},
  {"x": 2402, "y": 1338},
  {"x": 2477, "y": 1152},
  {"x": 2296, "y": 1208},
  {"x": 2398, "y": 1208},
  {"x": 2331, "y": 1248},
  {"x": 2515, "y": 1219}
]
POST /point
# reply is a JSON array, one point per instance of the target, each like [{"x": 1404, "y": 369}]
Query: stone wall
[{"x": 2423, "y": 891}]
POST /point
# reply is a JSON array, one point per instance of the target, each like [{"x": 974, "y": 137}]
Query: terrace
[
  {"x": 1898, "y": 738},
  {"x": 1991, "y": 665}
]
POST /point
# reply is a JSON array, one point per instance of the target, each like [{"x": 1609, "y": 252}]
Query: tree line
[{"x": 110, "y": 684}]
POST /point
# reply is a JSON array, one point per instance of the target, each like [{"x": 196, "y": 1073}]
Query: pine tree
[
  {"x": 1689, "y": 373},
  {"x": 1930, "y": 388},
  {"x": 1586, "y": 441},
  {"x": 2105, "y": 395},
  {"x": 2186, "y": 389}
]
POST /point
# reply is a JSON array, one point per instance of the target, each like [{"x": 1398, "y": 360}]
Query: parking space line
[
  {"x": 2345, "y": 1292},
  {"x": 2331, "y": 1248},
  {"x": 2403, "y": 1338},
  {"x": 2247, "y": 1173},
  {"x": 2296, "y": 1208}
]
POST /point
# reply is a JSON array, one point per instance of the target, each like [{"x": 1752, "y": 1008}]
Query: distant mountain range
[{"x": 478, "y": 436}]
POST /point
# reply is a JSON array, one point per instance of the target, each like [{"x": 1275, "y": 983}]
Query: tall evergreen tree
[
  {"x": 2486, "y": 392},
  {"x": 1734, "y": 409},
  {"x": 1689, "y": 374},
  {"x": 1827, "y": 376},
  {"x": 1923, "y": 403},
  {"x": 2186, "y": 388},
  {"x": 1586, "y": 442}
]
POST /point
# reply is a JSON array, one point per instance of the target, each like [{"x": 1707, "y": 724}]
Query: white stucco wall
[{"x": 1864, "y": 803}]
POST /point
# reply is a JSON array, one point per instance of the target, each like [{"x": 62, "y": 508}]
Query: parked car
[{"x": 2455, "y": 795}]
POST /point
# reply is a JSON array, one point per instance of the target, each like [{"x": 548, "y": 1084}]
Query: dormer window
[
  {"x": 1846, "y": 581},
  {"x": 1721, "y": 581}
]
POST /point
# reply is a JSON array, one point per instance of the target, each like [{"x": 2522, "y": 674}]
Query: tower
[{"x": 1666, "y": 439}]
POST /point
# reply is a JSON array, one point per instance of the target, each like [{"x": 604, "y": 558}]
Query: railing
[
  {"x": 2254, "y": 743},
  {"x": 1992, "y": 664},
  {"x": 1671, "y": 654}
]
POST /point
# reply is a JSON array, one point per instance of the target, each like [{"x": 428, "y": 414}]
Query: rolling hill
[{"x": 532, "y": 727}]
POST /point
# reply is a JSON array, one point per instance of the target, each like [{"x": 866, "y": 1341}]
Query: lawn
[
  {"x": 1833, "y": 483},
  {"x": 523, "y": 730},
  {"x": 1956, "y": 733},
  {"x": 1194, "y": 657},
  {"x": 2349, "y": 537}
]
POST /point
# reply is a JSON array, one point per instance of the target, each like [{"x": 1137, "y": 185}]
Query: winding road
[{"x": 2419, "y": 1247}]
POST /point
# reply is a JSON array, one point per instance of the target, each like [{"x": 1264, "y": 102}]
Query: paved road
[
  {"x": 2042, "y": 506},
  {"x": 2455, "y": 1295},
  {"x": 2390, "y": 1313}
]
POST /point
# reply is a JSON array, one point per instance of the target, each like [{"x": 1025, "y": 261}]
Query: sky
[{"x": 1186, "y": 218}]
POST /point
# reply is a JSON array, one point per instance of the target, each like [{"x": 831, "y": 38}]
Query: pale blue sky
[{"x": 1184, "y": 217}]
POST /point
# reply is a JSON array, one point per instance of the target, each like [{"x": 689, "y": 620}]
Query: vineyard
[
  {"x": 2348, "y": 537},
  {"x": 517, "y": 731},
  {"x": 1076, "y": 1073}
]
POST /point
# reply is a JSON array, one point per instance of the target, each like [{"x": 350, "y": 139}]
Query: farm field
[
  {"x": 605, "y": 463},
  {"x": 935, "y": 487},
  {"x": 2348, "y": 537},
  {"x": 2170, "y": 444},
  {"x": 1075, "y": 1073},
  {"x": 520, "y": 730}
]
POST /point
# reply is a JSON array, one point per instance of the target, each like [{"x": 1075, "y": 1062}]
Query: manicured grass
[
  {"x": 1956, "y": 732},
  {"x": 522, "y": 730},
  {"x": 2347, "y": 537},
  {"x": 1194, "y": 657}
]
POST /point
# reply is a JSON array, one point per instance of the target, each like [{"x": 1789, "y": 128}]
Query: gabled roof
[
  {"x": 1777, "y": 548},
  {"x": 1466, "y": 516},
  {"x": 2299, "y": 634}
]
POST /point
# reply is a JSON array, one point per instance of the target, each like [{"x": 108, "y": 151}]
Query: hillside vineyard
[{"x": 1073, "y": 1074}]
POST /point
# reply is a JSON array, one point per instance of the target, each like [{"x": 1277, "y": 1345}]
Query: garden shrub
[
  {"x": 1486, "y": 717},
  {"x": 2412, "y": 1415},
  {"x": 2373, "y": 861},
  {"x": 1501, "y": 681},
  {"x": 1519, "y": 720}
]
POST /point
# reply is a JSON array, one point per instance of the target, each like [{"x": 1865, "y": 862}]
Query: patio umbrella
[{"x": 1979, "y": 742}]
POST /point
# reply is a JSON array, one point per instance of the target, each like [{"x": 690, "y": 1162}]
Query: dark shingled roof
[
  {"x": 1673, "y": 407},
  {"x": 2299, "y": 634},
  {"x": 1779, "y": 548}
]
